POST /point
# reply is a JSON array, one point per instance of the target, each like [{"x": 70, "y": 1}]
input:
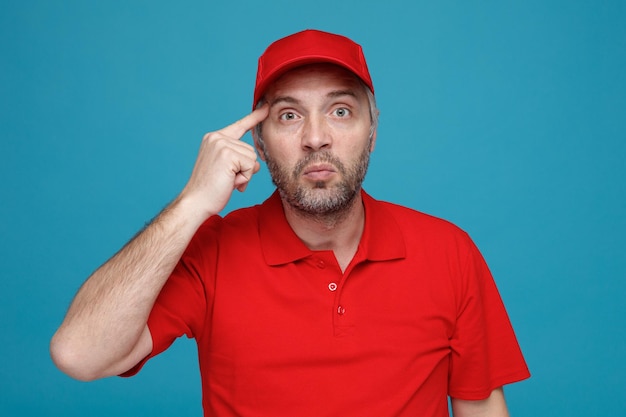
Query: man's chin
[
  {"x": 320, "y": 185},
  {"x": 322, "y": 200}
]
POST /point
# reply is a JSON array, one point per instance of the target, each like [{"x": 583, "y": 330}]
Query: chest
[{"x": 311, "y": 308}]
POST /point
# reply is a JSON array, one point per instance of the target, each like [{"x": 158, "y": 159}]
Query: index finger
[{"x": 241, "y": 126}]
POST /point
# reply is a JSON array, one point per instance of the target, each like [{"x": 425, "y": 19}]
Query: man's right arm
[{"x": 104, "y": 332}]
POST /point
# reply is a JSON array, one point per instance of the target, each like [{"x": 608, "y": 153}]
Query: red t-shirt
[{"x": 281, "y": 331}]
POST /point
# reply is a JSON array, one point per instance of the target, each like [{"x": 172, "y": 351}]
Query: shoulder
[
  {"x": 426, "y": 238},
  {"x": 243, "y": 220},
  {"x": 246, "y": 225},
  {"x": 412, "y": 221}
]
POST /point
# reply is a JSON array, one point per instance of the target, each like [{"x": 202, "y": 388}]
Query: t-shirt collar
[{"x": 382, "y": 238}]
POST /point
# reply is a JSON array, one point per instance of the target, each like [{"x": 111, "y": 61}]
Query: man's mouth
[{"x": 319, "y": 172}]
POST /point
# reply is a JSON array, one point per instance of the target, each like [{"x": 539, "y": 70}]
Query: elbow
[{"x": 70, "y": 360}]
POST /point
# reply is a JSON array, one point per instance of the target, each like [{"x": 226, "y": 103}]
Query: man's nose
[{"x": 316, "y": 135}]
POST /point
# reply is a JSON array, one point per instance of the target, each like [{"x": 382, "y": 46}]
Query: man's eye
[
  {"x": 341, "y": 112},
  {"x": 288, "y": 116}
]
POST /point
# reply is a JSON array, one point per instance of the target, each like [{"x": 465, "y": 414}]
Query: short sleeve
[
  {"x": 180, "y": 309},
  {"x": 485, "y": 352}
]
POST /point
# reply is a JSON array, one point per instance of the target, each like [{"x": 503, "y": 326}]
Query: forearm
[{"x": 108, "y": 315}]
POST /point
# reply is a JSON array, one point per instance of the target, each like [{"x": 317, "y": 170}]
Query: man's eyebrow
[
  {"x": 284, "y": 99},
  {"x": 339, "y": 93}
]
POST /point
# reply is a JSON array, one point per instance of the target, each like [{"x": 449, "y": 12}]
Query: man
[{"x": 319, "y": 302}]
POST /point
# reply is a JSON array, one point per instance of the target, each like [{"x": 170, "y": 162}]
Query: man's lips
[{"x": 319, "y": 171}]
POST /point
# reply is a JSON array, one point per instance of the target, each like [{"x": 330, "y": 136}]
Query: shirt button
[
  {"x": 341, "y": 311},
  {"x": 332, "y": 286},
  {"x": 321, "y": 264}
]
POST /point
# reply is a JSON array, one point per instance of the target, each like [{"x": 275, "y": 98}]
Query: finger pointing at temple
[{"x": 241, "y": 126}]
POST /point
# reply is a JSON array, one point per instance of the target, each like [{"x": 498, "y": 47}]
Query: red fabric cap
[{"x": 309, "y": 47}]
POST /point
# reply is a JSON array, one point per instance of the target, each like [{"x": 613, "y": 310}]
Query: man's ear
[
  {"x": 374, "y": 132},
  {"x": 373, "y": 140},
  {"x": 258, "y": 143}
]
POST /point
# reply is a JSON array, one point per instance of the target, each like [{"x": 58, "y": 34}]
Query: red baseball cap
[{"x": 309, "y": 47}]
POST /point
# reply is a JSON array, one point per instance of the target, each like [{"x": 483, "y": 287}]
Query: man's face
[{"x": 316, "y": 138}]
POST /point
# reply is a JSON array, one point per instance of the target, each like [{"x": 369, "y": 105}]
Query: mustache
[{"x": 318, "y": 157}]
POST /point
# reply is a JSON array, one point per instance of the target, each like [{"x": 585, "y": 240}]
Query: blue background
[{"x": 507, "y": 118}]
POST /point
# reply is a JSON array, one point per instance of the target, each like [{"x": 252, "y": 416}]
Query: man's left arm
[{"x": 492, "y": 406}]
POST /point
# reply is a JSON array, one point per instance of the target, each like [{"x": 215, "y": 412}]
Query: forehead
[{"x": 316, "y": 77}]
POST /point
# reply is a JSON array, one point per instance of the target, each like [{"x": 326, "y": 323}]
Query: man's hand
[{"x": 224, "y": 163}]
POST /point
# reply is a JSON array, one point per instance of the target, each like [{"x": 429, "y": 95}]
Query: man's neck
[{"x": 339, "y": 232}]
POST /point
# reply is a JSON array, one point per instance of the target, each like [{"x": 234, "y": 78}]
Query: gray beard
[{"x": 323, "y": 203}]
